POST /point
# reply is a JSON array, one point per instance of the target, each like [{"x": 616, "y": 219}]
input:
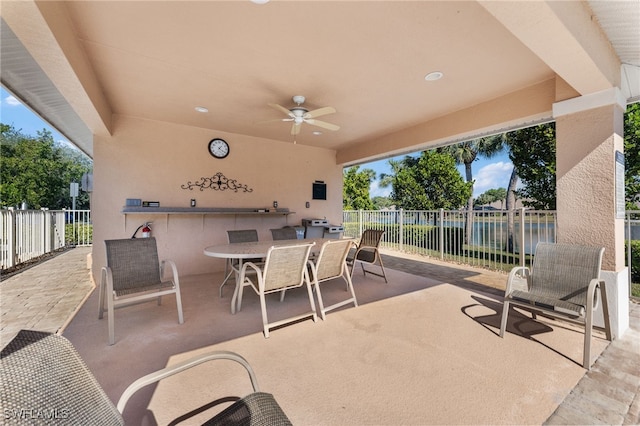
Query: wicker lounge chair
[
  {"x": 329, "y": 265},
  {"x": 45, "y": 381},
  {"x": 368, "y": 252},
  {"x": 563, "y": 282},
  {"x": 133, "y": 275},
  {"x": 285, "y": 268}
]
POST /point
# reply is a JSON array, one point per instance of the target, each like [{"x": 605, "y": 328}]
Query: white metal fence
[
  {"x": 29, "y": 234},
  {"x": 484, "y": 238},
  {"x": 492, "y": 239}
]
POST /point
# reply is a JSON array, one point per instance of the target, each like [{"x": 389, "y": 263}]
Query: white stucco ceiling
[{"x": 79, "y": 63}]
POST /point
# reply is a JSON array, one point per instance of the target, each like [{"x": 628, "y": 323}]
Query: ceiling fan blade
[
  {"x": 274, "y": 120},
  {"x": 319, "y": 112},
  {"x": 322, "y": 124},
  {"x": 281, "y": 109},
  {"x": 295, "y": 129}
]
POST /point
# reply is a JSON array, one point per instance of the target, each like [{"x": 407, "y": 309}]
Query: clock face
[{"x": 219, "y": 148}]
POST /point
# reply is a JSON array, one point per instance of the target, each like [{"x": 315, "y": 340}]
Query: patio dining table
[{"x": 252, "y": 250}]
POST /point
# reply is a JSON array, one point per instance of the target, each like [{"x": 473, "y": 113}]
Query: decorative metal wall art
[{"x": 217, "y": 182}]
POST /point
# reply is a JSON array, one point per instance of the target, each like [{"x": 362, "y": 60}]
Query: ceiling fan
[{"x": 299, "y": 114}]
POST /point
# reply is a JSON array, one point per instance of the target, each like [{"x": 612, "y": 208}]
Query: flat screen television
[{"x": 319, "y": 191}]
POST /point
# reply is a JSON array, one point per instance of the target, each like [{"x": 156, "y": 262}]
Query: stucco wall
[
  {"x": 586, "y": 201},
  {"x": 151, "y": 160}
]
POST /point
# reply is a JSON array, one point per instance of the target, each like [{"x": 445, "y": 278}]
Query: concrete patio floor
[{"x": 422, "y": 349}]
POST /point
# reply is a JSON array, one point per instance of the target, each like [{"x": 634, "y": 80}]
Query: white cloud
[
  {"x": 12, "y": 101},
  {"x": 494, "y": 175},
  {"x": 376, "y": 191}
]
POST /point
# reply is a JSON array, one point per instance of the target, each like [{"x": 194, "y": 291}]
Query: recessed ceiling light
[
  {"x": 433, "y": 76},
  {"x": 259, "y": 1},
  {"x": 201, "y": 109},
  {"x": 317, "y": 132}
]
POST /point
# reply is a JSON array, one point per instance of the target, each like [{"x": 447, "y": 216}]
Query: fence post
[
  {"x": 43, "y": 232},
  {"x": 401, "y": 230},
  {"x": 360, "y": 219},
  {"x": 13, "y": 239},
  {"x": 523, "y": 253},
  {"x": 628, "y": 244},
  {"x": 441, "y": 234},
  {"x": 46, "y": 219}
]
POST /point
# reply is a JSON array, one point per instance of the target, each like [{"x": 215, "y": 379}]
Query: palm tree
[
  {"x": 510, "y": 205},
  {"x": 466, "y": 153},
  {"x": 388, "y": 180}
]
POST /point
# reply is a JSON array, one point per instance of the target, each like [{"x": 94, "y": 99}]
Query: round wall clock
[{"x": 219, "y": 148}]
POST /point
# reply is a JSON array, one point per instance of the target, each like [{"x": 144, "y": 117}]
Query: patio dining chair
[
  {"x": 285, "y": 268},
  {"x": 368, "y": 251},
  {"x": 563, "y": 282},
  {"x": 134, "y": 274},
  {"x": 331, "y": 264},
  {"x": 45, "y": 381},
  {"x": 232, "y": 265}
]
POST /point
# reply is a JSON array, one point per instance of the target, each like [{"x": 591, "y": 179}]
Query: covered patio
[
  {"x": 422, "y": 349},
  {"x": 144, "y": 94},
  {"x": 143, "y": 87}
]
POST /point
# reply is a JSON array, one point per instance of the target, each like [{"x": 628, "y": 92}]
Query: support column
[{"x": 589, "y": 132}]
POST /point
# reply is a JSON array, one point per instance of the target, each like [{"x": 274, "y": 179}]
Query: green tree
[
  {"x": 380, "y": 203},
  {"x": 491, "y": 196},
  {"x": 632, "y": 156},
  {"x": 388, "y": 180},
  {"x": 466, "y": 153},
  {"x": 510, "y": 205},
  {"x": 38, "y": 171},
  {"x": 533, "y": 153},
  {"x": 430, "y": 181},
  {"x": 355, "y": 188}
]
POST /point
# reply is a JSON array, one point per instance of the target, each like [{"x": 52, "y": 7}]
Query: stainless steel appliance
[
  {"x": 320, "y": 228},
  {"x": 314, "y": 228},
  {"x": 333, "y": 231}
]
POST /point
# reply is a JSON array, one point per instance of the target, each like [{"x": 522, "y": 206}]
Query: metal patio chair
[
  {"x": 45, "y": 381},
  {"x": 287, "y": 233},
  {"x": 330, "y": 264},
  {"x": 285, "y": 268},
  {"x": 563, "y": 282},
  {"x": 134, "y": 274},
  {"x": 368, "y": 251},
  {"x": 231, "y": 267}
]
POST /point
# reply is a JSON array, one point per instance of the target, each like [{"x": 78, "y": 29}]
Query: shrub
[{"x": 78, "y": 234}]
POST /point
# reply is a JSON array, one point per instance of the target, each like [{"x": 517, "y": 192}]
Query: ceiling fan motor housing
[{"x": 298, "y": 114}]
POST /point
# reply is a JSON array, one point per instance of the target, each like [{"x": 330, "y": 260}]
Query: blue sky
[
  {"x": 12, "y": 112},
  {"x": 488, "y": 174}
]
